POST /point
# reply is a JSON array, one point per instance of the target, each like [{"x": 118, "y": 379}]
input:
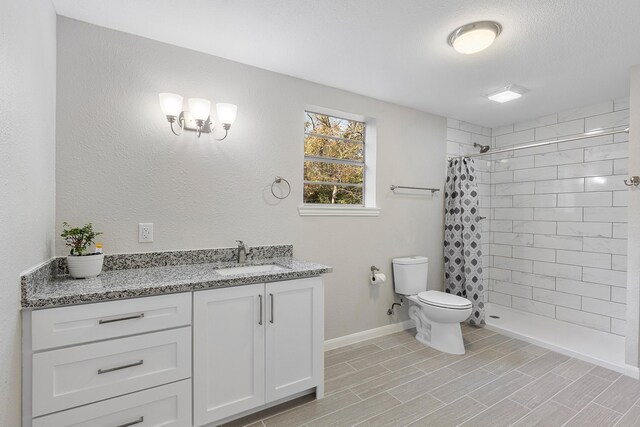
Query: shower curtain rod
[{"x": 541, "y": 144}]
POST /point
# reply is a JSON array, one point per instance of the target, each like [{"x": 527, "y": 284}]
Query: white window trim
[
  {"x": 340, "y": 210},
  {"x": 369, "y": 208}
]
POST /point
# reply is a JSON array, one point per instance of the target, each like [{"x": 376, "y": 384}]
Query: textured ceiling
[{"x": 569, "y": 53}]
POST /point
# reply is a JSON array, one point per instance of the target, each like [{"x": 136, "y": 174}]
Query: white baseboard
[
  {"x": 632, "y": 371},
  {"x": 368, "y": 334}
]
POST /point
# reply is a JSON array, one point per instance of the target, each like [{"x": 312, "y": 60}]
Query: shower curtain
[{"x": 462, "y": 253}]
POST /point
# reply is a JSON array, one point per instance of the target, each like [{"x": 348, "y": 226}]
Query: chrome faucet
[{"x": 242, "y": 251}]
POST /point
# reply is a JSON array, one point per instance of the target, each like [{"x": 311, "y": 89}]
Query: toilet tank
[{"x": 410, "y": 274}]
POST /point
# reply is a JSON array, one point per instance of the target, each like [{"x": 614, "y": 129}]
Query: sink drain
[{"x": 493, "y": 316}]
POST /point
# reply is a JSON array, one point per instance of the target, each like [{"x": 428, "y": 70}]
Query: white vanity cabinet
[
  {"x": 254, "y": 345},
  {"x": 184, "y": 359},
  {"x": 109, "y": 363}
]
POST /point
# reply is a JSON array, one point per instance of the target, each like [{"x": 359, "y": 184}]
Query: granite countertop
[{"x": 51, "y": 289}]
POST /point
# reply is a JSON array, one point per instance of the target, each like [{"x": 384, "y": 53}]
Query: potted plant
[{"x": 82, "y": 265}]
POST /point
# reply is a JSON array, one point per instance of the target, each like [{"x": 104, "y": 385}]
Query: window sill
[{"x": 328, "y": 210}]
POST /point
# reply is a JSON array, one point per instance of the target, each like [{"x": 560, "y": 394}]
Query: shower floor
[{"x": 586, "y": 344}]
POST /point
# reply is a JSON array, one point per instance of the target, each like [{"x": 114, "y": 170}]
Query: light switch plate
[{"x": 145, "y": 232}]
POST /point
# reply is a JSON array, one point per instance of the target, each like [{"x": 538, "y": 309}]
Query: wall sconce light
[{"x": 198, "y": 117}]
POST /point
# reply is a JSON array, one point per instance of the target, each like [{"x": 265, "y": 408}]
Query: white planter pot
[{"x": 84, "y": 267}]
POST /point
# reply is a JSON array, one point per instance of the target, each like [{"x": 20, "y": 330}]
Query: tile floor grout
[
  {"x": 470, "y": 391},
  {"x": 628, "y": 410},
  {"x": 380, "y": 378}
]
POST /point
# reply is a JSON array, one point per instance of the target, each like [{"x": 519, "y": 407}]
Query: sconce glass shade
[
  {"x": 199, "y": 108},
  {"x": 171, "y": 104},
  {"x": 227, "y": 113}
]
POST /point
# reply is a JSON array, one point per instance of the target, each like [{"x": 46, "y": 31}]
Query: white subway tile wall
[
  {"x": 555, "y": 240},
  {"x": 558, "y": 234}
]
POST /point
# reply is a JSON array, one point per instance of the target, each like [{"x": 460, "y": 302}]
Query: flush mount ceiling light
[
  {"x": 474, "y": 37},
  {"x": 507, "y": 93},
  {"x": 197, "y": 118}
]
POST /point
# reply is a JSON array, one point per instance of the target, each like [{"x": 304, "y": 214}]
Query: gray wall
[
  {"x": 118, "y": 164},
  {"x": 27, "y": 177}
]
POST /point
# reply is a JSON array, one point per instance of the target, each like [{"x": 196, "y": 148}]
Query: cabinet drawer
[
  {"x": 75, "y": 376},
  {"x": 57, "y": 327},
  {"x": 168, "y": 405}
]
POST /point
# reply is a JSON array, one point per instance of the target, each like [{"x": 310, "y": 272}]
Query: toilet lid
[{"x": 443, "y": 299}]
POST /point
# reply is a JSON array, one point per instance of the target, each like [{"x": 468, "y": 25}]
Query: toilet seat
[{"x": 444, "y": 300}]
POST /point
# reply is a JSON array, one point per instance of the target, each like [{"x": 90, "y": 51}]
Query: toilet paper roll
[{"x": 378, "y": 278}]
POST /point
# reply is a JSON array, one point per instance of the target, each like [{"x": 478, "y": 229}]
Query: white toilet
[{"x": 437, "y": 315}]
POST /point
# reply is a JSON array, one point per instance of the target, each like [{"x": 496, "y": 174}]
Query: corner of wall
[{"x": 633, "y": 278}]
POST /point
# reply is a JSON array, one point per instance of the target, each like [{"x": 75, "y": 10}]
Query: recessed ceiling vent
[{"x": 507, "y": 93}]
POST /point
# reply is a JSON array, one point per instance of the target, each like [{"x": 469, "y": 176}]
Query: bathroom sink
[{"x": 250, "y": 269}]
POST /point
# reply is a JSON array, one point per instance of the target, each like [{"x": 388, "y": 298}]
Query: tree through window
[{"x": 334, "y": 160}]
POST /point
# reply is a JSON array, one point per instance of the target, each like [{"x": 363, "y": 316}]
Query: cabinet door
[
  {"x": 295, "y": 336},
  {"x": 228, "y": 353}
]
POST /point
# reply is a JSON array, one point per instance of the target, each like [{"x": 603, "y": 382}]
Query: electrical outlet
[{"x": 145, "y": 232}]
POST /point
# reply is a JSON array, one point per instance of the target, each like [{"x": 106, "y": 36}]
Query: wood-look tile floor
[{"x": 396, "y": 381}]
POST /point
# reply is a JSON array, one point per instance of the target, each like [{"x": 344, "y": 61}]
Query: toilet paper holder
[{"x": 376, "y": 277}]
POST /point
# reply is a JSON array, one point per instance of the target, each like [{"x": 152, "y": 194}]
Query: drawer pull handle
[
  {"x": 132, "y": 423},
  {"x": 271, "y": 295},
  {"x": 137, "y": 316},
  {"x": 260, "y": 321},
  {"x": 130, "y": 365}
]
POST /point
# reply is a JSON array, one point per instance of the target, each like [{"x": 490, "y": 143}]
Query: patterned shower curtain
[{"x": 462, "y": 253}]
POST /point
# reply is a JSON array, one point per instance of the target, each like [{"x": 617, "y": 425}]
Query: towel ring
[{"x": 278, "y": 180}]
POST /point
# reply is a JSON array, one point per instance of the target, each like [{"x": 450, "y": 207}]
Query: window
[
  {"x": 333, "y": 160},
  {"x": 339, "y": 163}
]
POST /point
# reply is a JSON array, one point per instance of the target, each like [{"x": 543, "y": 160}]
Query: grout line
[
  {"x": 375, "y": 353},
  {"x": 343, "y": 408},
  {"x": 348, "y": 387},
  {"x": 350, "y": 390},
  {"x": 610, "y": 409},
  {"x": 592, "y": 401},
  {"x": 624, "y": 415},
  {"x": 351, "y": 366},
  {"x": 525, "y": 415},
  {"x": 554, "y": 395},
  {"x": 429, "y": 393},
  {"x": 605, "y": 390},
  {"x": 287, "y": 410},
  {"x": 563, "y": 405},
  {"x": 477, "y": 401},
  {"x": 570, "y": 419},
  {"x": 420, "y": 375}
]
